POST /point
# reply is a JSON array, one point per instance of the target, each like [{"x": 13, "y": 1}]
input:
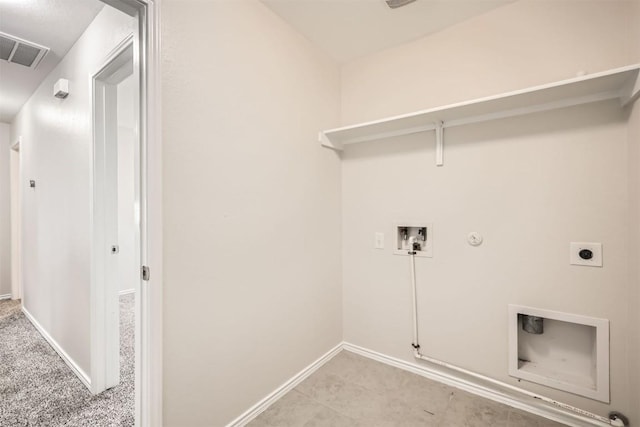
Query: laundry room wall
[
  {"x": 530, "y": 185},
  {"x": 252, "y": 262},
  {"x": 634, "y": 235}
]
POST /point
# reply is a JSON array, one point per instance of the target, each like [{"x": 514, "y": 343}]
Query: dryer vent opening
[
  {"x": 18, "y": 51},
  {"x": 532, "y": 324}
]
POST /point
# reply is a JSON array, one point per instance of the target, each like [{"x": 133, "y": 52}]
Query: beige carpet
[
  {"x": 9, "y": 307},
  {"x": 38, "y": 389}
]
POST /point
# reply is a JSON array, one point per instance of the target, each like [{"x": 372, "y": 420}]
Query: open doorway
[
  {"x": 145, "y": 44},
  {"x": 128, "y": 231},
  {"x": 116, "y": 220},
  {"x": 55, "y": 241}
]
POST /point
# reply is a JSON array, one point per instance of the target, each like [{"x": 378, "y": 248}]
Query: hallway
[{"x": 38, "y": 388}]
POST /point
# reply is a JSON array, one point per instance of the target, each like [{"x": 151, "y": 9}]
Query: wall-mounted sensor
[
  {"x": 32, "y": 183},
  {"x": 61, "y": 88},
  {"x": 474, "y": 238},
  {"x": 584, "y": 253}
]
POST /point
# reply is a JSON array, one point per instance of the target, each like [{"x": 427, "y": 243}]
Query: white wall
[
  {"x": 251, "y": 208},
  {"x": 128, "y": 270},
  {"x": 5, "y": 210},
  {"x": 515, "y": 46},
  {"x": 634, "y": 260},
  {"x": 634, "y": 235},
  {"x": 530, "y": 185},
  {"x": 56, "y": 153}
]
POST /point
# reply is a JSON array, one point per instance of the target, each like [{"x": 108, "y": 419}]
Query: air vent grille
[
  {"x": 18, "y": 51},
  {"x": 6, "y": 47}
]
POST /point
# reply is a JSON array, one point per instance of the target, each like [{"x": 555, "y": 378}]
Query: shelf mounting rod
[{"x": 439, "y": 125}]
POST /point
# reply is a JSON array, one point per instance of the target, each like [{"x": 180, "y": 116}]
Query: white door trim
[
  {"x": 149, "y": 330},
  {"x": 105, "y": 307},
  {"x": 150, "y": 407},
  {"x": 16, "y": 209}
]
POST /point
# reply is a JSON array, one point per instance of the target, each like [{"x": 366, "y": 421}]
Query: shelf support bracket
[{"x": 439, "y": 143}]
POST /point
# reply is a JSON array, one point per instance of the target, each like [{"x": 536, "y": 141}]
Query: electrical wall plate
[
  {"x": 419, "y": 232},
  {"x": 378, "y": 242},
  {"x": 585, "y": 253}
]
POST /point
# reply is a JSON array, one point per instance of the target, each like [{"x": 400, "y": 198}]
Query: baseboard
[
  {"x": 84, "y": 378},
  {"x": 126, "y": 292},
  {"x": 522, "y": 402},
  {"x": 5, "y": 296},
  {"x": 512, "y": 399},
  {"x": 262, "y": 405}
]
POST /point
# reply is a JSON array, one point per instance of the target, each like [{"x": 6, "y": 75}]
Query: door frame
[
  {"x": 16, "y": 208},
  {"x": 105, "y": 324},
  {"x": 148, "y": 387}
]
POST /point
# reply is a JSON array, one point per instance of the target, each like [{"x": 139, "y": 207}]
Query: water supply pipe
[
  {"x": 613, "y": 421},
  {"x": 414, "y": 344}
]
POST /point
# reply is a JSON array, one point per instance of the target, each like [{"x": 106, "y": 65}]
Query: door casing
[
  {"x": 146, "y": 42},
  {"x": 105, "y": 314}
]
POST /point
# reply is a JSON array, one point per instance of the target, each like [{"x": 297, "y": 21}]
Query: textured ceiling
[{"x": 56, "y": 24}]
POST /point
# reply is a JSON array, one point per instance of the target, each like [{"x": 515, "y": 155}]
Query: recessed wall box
[
  {"x": 413, "y": 237},
  {"x": 570, "y": 354},
  {"x": 61, "y": 88}
]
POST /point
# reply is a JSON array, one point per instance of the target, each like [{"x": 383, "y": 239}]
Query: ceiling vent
[{"x": 22, "y": 52}]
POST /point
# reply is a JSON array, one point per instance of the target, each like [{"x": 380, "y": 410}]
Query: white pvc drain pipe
[{"x": 617, "y": 422}]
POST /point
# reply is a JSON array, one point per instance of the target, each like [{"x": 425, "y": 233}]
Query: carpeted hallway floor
[{"x": 38, "y": 389}]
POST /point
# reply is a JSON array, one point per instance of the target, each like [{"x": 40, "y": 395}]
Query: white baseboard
[
  {"x": 512, "y": 399},
  {"x": 5, "y": 296},
  {"x": 126, "y": 292},
  {"x": 509, "y": 398},
  {"x": 84, "y": 378},
  {"x": 262, "y": 405}
]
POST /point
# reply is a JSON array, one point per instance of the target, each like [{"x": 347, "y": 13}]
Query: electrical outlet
[{"x": 585, "y": 253}]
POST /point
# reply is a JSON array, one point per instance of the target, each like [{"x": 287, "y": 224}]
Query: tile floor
[{"x": 351, "y": 390}]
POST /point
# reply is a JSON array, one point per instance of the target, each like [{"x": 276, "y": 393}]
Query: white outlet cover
[{"x": 595, "y": 248}]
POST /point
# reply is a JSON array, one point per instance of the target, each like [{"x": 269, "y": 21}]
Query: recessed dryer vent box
[
  {"x": 413, "y": 237},
  {"x": 569, "y": 353}
]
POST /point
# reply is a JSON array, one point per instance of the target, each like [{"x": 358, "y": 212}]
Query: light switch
[{"x": 379, "y": 241}]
